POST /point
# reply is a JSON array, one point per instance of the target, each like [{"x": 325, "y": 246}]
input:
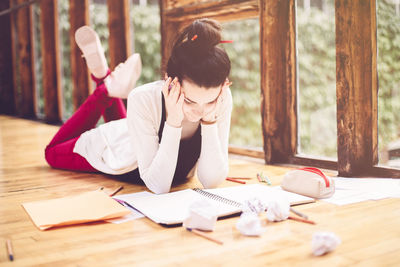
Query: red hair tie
[{"x": 226, "y": 41}]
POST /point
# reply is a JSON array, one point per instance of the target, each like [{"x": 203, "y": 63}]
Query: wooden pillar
[
  {"x": 356, "y": 83},
  {"x": 119, "y": 27},
  {"x": 51, "y": 60},
  {"x": 278, "y": 79},
  {"x": 24, "y": 47},
  {"x": 78, "y": 16},
  {"x": 169, "y": 29},
  {"x": 7, "y": 96}
]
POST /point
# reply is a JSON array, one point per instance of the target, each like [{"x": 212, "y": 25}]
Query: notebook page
[
  {"x": 172, "y": 208},
  {"x": 265, "y": 193}
]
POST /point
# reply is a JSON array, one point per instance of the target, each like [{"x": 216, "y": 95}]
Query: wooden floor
[{"x": 370, "y": 231}]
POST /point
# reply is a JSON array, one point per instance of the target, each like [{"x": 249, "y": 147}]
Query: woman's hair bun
[
  {"x": 196, "y": 56},
  {"x": 201, "y": 36}
]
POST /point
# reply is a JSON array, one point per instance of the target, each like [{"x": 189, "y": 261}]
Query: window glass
[
  {"x": 316, "y": 59},
  {"x": 244, "y": 54},
  {"x": 388, "y": 23}
]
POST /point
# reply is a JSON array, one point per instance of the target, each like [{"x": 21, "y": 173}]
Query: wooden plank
[
  {"x": 278, "y": 79},
  {"x": 221, "y": 10},
  {"x": 78, "y": 16},
  {"x": 120, "y": 35},
  {"x": 383, "y": 171},
  {"x": 243, "y": 151},
  {"x": 24, "y": 47},
  {"x": 51, "y": 60},
  {"x": 356, "y": 83},
  {"x": 7, "y": 96}
]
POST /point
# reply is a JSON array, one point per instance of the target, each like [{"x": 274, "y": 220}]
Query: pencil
[
  {"x": 116, "y": 191},
  {"x": 197, "y": 232},
  {"x": 236, "y": 181},
  {"x": 240, "y": 178},
  {"x": 300, "y": 220},
  {"x": 298, "y": 213},
  {"x": 9, "y": 250}
]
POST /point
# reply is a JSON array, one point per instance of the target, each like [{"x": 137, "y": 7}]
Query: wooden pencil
[
  {"x": 299, "y": 213},
  {"x": 9, "y": 250},
  {"x": 116, "y": 191},
  {"x": 240, "y": 178},
  {"x": 300, "y": 220},
  {"x": 197, "y": 232},
  {"x": 236, "y": 181}
]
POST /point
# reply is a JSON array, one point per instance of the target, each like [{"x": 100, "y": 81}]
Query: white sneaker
[
  {"x": 123, "y": 79},
  {"x": 89, "y": 43}
]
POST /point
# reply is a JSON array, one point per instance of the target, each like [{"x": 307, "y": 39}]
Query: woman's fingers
[
  {"x": 166, "y": 86},
  {"x": 175, "y": 90}
]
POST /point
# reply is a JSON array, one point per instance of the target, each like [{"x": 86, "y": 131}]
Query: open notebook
[{"x": 172, "y": 208}]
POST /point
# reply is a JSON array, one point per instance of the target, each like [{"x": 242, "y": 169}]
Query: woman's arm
[
  {"x": 213, "y": 163},
  {"x": 156, "y": 162}
]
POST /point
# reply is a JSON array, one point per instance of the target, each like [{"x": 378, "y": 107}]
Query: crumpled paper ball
[
  {"x": 324, "y": 242},
  {"x": 278, "y": 210},
  {"x": 253, "y": 205},
  {"x": 202, "y": 215},
  {"x": 249, "y": 224}
]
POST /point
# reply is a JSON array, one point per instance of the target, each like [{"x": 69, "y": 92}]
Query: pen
[
  {"x": 116, "y": 191},
  {"x": 301, "y": 220},
  {"x": 197, "y": 232},
  {"x": 236, "y": 181},
  {"x": 299, "y": 213},
  {"x": 9, "y": 250}
]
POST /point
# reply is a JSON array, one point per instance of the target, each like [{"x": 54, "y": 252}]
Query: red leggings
[{"x": 59, "y": 153}]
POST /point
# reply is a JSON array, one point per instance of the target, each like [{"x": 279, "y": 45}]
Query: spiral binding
[{"x": 217, "y": 198}]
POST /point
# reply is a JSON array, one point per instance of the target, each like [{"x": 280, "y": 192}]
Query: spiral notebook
[{"x": 172, "y": 208}]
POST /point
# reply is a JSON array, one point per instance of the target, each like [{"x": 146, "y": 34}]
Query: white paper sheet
[{"x": 353, "y": 190}]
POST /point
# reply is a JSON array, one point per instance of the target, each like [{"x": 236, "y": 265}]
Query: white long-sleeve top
[{"x": 123, "y": 145}]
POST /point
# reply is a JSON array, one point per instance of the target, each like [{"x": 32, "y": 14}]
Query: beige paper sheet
[{"x": 86, "y": 207}]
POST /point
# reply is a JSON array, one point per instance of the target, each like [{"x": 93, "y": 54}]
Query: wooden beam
[
  {"x": 315, "y": 162},
  {"x": 51, "y": 60},
  {"x": 24, "y": 47},
  {"x": 7, "y": 96},
  {"x": 119, "y": 27},
  {"x": 357, "y": 89},
  {"x": 278, "y": 79},
  {"x": 222, "y": 10},
  {"x": 243, "y": 151},
  {"x": 78, "y": 16},
  {"x": 169, "y": 30}
]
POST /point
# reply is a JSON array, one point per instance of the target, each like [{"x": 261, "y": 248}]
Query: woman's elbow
[
  {"x": 159, "y": 189},
  {"x": 212, "y": 180}
]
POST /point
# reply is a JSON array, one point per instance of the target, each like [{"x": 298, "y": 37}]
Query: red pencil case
[{"x": 310, "y": 182}]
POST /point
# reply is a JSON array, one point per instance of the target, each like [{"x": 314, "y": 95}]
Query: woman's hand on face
[
  {"x": 212, "y": 116},
  {"x": 173, "y": 102}
]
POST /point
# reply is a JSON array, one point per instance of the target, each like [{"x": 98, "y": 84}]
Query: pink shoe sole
[{"x": 89, "y": 43}]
